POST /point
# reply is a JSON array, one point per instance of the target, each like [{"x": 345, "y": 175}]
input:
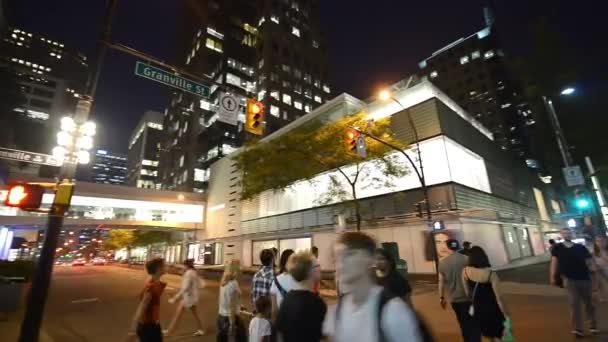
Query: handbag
[
  {"x": 508, "y": 333},
  {"x": 472, "y": 307}
]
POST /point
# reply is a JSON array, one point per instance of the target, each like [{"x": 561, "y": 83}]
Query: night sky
[{"x": 371, "y": 43}]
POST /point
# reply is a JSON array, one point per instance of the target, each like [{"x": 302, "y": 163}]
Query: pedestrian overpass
[{"x": 104, "y": 206}]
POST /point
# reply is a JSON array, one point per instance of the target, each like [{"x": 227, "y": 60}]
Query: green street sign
[{"x": 167, "y": 78}]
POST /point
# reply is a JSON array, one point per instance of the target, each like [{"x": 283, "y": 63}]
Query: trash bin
[{"x": 11, "y": 292}]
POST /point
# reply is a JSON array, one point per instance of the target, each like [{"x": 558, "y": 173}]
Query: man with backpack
[{"x": 367, "y": 313}]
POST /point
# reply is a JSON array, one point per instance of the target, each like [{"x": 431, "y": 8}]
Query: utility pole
[{"x": 30, "y": 327}]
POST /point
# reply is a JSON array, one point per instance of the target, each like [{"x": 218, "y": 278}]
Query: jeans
[
  {"x": 468, "y": 326},
  {"x": 149, "y": 332},
  {"x": 223, "y": 330},
  {"x": 579, "y": 292}
]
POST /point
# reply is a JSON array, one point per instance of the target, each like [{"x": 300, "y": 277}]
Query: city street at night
[{"x": 96, "y": 303}]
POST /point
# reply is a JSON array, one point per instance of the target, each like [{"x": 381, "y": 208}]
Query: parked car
[
  {"x": 99, "y": 262},
  {"x": 79, "y": 262}
]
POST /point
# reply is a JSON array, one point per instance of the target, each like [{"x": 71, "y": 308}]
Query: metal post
[
  {"x": 599, "y": 193},
  {"x": 559, "y": 133},
  {"x": 30, "y": 327}
]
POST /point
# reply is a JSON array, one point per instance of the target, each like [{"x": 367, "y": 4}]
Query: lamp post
[
  {"x": 557, "y": 129},
  {"x": 386, "y": 95}
]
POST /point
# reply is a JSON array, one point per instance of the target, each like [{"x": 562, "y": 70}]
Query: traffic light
[
  {"x": 350, "y": 141},
  {"x": 24, "y": 196},
  {"x": 580, "y": 200},
  {"x": 420, "y": 209},
  {"x": 254, "y": 118}
]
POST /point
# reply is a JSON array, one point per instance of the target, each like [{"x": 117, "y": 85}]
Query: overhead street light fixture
[{"x": 568, "y": 91}]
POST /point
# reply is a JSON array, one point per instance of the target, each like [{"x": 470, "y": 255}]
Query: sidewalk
[
  {"x": 11, "y": 328},
  {"x": 539, "y": 312}
]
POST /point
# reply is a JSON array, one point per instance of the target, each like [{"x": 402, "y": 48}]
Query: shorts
[{"x": 149, "y": 332}]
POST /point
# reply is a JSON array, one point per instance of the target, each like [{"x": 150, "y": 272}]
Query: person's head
[
  {"x": 466, "y": 245},
  {"x": 600, "y": 244},
  {"x": 355, "y": 257},
  {"x": 441, "y": 240},
  {"x": 263, "y": 306},
  {"x": 478, "y": 258},
  {"x": 189, "y": 263},
  {"x": 156, "y": 267},
  {"x": 284, "y": 260},
  {"x": 315, "y": 251},
  {"x": 231, "y": 271},
  {"x": 275, "y": 255},
  {"x": 566, "y": 234},
  {"x": 451, "y": 246},
  {"x": 266, "y": 257},
  {"x": 301, "y": 267},
  {"x": 384, "y": 261},
  {"x": 552, "y": 242}
]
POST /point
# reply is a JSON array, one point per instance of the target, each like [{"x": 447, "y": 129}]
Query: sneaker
[
  {"x": 594, "y": 331},
  {"x": 577, "y": 333},
  {"x": 199, "y": 333}
]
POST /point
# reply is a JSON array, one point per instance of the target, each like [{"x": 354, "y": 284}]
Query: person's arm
[
  {"x": 185, "y": 286},
  {"x": 465, "y": 282},
  {"x": 145, "y": 300},
  {"x": 275, "y": 306},
  {"x": 235, "y": 295},
  {"x": 499, "y": 298},
  {"x": 441, "y": 290}
]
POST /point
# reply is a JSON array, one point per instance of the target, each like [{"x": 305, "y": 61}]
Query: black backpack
[{"x": 385, "y": 297}]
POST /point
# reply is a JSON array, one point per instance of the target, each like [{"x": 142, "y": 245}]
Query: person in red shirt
[{"x": 146, "y": 321}]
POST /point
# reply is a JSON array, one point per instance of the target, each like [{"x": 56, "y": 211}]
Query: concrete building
[
  {"x": 474, "y": 71},
  {"x": 477, "y": 191},
  {"x": 269, "y": 50},
  {"x": 144, "y": 151},
  {"x": 108, "y": 168}
]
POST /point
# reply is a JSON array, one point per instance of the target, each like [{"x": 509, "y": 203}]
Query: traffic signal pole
[{"x": 32, "y": 321}]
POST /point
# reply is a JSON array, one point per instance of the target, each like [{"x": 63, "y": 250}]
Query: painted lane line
[{"x": 85, "y": 300}]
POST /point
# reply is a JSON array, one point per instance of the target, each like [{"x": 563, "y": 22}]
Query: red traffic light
[
  {"x": 256, "y": 108},
  {"x": 24, "y": 196}
]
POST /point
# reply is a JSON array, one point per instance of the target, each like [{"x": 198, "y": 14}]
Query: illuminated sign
[{"x": 28, "y": 157}]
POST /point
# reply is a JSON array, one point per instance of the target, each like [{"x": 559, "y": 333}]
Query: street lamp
[
  {"x": 568, "y": 91},
  {"x": 386, "y": 95},
  {"x": 74, "y": 141}
]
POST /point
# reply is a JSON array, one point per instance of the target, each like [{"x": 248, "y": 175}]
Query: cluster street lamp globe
[{"x": 74, "y": 142}]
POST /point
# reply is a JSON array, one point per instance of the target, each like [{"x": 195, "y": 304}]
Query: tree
[
  {"x": 120, "y": 238},
  {"x": 150, "y": 237},
  {"x": 317, "y": 147}
]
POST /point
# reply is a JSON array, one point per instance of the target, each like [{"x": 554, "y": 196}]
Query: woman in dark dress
[
  {"x": 482, "y": 286},
  {"x": 388, "y": 277}
]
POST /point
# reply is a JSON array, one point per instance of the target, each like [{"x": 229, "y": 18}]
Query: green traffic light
[{"x": 582, "y": 203}]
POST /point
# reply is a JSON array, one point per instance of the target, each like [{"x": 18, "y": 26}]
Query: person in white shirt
[
  {"x": 356, "y": 317},
  {"x": 260, "y": 329},
  {"x": 228, "y": 323},
  {"x": 189, "y": 298},
  {"x": 282, "y": 283}
]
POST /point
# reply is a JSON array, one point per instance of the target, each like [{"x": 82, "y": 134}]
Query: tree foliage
[
  {"x": 125, "y": 238},
  {"x": 317, "y": 147}
]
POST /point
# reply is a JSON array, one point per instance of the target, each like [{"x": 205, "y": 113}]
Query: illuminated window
[
  {"x": 297, "y": 73},
  {"x": 307, "y": 78},
  {"x": 326, "y": 88},
  {"x": 297, "y": 88},
  {"x": 214, "y": 45},
  {"x": 261, "y": 63},
  {"x": 201, "y": 175},
  {"x": 318, "y": 99},
  {"x": 181, "y": 160},
  {"x": 285, "y": 68},
  {"x": 297, "y": 104},
  {"x": 464, "y": 59},
  {"x": 274, "y": 18},
  {"x": 476, "y": 54},
  {"x": 261, "y": 94},
  {"x": 286, "y": 84},
  {"x": 315, "y": 44},
  {"x": 274, "y": 110},
  {"x": 434, "y": 74},
  {"x": 308, "y": 93},
  {"x": 317, "y": 83},
  {"x": 274, "y": 94},
  {"x": 249, "y": 40},
  {"x": 307, "y": 108},
  {"x": 250, "y": 28},
  {"x": 295, "y": 31},
  {"x": 287, "y": 99},
  {"x": 212, "y": 32},
  {"x": 488, "y": 54},
  {"x": 233, "y": 79},
  {"x": 205, "y": 105},
  {"x": 262, "y": 20}
]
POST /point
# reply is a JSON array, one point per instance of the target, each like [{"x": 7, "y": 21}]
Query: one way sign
[{"x": 229, "y": 109}]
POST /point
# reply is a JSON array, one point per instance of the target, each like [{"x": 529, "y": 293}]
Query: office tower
[
  {"x": 144, "y": 151},
  {"x": 267, "y": 50},
  {"x": 473, "y": 71},
  {"x": 109, "y": 168}
]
